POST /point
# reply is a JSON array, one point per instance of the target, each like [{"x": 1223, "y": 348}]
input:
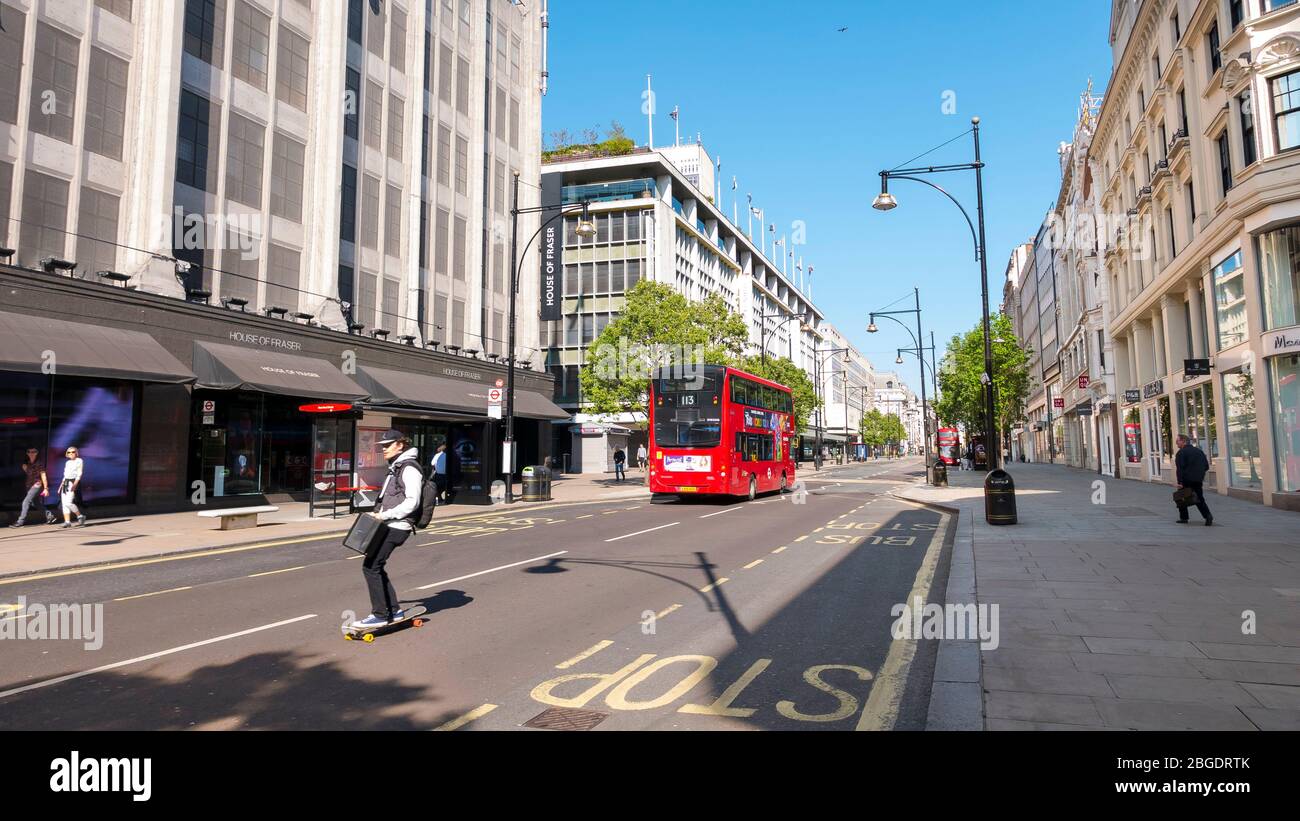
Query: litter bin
[
  {"x": 537, "y": 483},
  {"x": 999, "y": 498},
  {"x": 940, "y": 474}
]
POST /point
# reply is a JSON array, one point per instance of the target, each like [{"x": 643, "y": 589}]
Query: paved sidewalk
[
  {"x": 1114, "y": 617},
  {"x": 37, "y": 548}
]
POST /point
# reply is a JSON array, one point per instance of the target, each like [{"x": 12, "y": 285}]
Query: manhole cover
[
  {"x": 1127, "y": 511},
  {"x": 566, "y": 718}
]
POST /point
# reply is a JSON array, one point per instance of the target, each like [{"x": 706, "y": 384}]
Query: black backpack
[{"x": 428, "y": 494}]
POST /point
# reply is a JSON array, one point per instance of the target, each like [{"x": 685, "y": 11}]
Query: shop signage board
[
  {"x": 325, "y": 407},
  {"x": 1083, "y": 382},
  {"x": 1058, "y": 402},
  {"x": 1153, "y": 389},
  {"x": 1282, "y": 342},
  {"x": 1084, "y": 409},
  {"x": 1132, "y": 395},
  {"x": 1196, "y": 367},
  {"x": 552, "y": 248}
]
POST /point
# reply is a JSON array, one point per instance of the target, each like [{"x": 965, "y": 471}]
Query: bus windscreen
[{"x": 688, "y": 410}]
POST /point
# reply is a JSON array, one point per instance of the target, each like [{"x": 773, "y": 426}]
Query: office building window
[
  {"x": 444, "y": 155},
  {"x": 374, "y": 105},
  {"x": 393, "y": 222},
  {"x": 355, "y": 13},
  {"x": 205, "y": 30},
  {"x": 106, "y": 104},
  {"x": 122, "y": 8},
  {"x": 460, "y": 240},
  {"x": 1286, "y": 110},
  {"x": 1212, "y": 42},
  {"x": 1173, "y": 240},
  {"x": 245, "y": 148},
  {"x": 11, "y": 61},
  {"x": 370, "y": 211},
  {"x": 1229, "y": 301},
  {"x": 194, "y": 137},
  {"x": 441, "y": 242},
  {"x": 1236, "y": 13},
  {"x": 375, "y": 29},
  {"x": 96, "y": 233},
  {"x": 252, "y": 45},
  {"x": 391, "y": 313},
  {"x": 1182, "y": 111},
  {"x": 240, "y": 269},
  {"x": 282, "y": 277},
  {"x": 462, "y": 165},
  {"x": 397, "y": 40},
  {"x": 1225, "y": 162},
  {"x": 1178, "y": 28},
  {"x": 6, "y": 199},
  {"x": 499, "y": 127},
  {"x": 444, "y": 72},
  {"x": 1279, "y": 260},
  {"x": 424, "y": 235},
  {"x": 45, "y": 216},
  {"x": 351, "y": 99},
  {"x": 396, "y": 126},
  {"x": 288, "y": 164},
  {"x": 1247, "y": 128},
  {"x": 347, "y": 288},
  {"x": 514, "y": 123},
  {"x": 462, "y": 86},
  {"x": 457, "y": 336},
  {"x": 54, "y": 83},
  {"x": 291, "y": 73},
  {"x": 348, "y": 206}
]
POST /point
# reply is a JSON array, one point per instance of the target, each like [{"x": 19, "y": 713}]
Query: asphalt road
[{"x": 773, "y": 614}]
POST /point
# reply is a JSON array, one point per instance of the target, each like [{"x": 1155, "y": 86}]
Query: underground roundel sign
[{"x": 494, "y": 395}]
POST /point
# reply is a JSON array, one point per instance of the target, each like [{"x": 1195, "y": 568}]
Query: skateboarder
[{"x": 398, "y": 505}]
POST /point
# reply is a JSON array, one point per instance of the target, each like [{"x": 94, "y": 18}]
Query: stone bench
[{"x": 237, "y": 518}]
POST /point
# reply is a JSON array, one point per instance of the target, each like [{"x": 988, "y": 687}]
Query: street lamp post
[
  {"x": 817, "y": 388},
  {"x": 585, "y": 229},
  {"x": 916, "y": 340},
  {"x": 764, "y": 331},
  {"x": 885, "y": 201}
]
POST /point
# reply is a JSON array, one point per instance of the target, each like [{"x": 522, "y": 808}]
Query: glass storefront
[
  {"x": 1279, "y": 257},
  {"x": 51, "y": 414},
  {"x": 250, "y": 443},
  {"x": 1243, "y": 435},
  {"x": 1133, "y": 436},
  {"x": 1284, "y": 387},
  {"x": 1230, "y": 301},
  {"x": 1195, "y": 408}
]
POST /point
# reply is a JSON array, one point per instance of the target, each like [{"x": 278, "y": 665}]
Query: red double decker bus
[
  {"x": 717, "y": 430},
  {"x": 949, "y": 445}
]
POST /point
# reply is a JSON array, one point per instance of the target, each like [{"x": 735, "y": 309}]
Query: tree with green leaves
[
  {"x": 657, "y": 327},
  {"x": 879, "y": 429},
  {"x": 787, "y": 373},
  {"x": 961, "y": 393}
]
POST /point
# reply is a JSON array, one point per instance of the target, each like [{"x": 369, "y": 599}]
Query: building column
[
  {"x": 1143, "y": 352},
  {"x": 1197, "y": 311},
  {"x": 1175, "y": 341}
]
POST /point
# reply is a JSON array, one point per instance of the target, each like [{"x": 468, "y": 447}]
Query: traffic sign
[{"x": 494, "y": 396}]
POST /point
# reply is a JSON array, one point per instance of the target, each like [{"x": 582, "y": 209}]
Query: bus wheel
[
  {"x": 784, "y": 487},
  {"x": 753, "y": 488}
]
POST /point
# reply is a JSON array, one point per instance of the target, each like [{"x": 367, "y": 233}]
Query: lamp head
[
  {"x": 871, "y": 328},
  {"x": 586, "y": 228},
  {"x": 885, "y": 202}
]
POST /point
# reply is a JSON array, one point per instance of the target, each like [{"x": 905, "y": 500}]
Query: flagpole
[{"x": 650, "y": 110}]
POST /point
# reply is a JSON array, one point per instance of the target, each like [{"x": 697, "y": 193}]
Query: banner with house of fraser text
[{"x": 552, "y": 249}]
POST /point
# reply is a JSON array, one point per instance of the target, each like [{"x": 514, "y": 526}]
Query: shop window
[
  {"x": 1279, "y": 253},
  {"x": 98, "y": 418},
  {"x": 1284, "y": 387},
  {"x": 1230, "y": 301},
  {"x": 1243, "y": 434}
]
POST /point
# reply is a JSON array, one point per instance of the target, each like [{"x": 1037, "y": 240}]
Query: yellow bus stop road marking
[
  {"x": 457, "y": 723},
  {"x": 667, "y": 610}
]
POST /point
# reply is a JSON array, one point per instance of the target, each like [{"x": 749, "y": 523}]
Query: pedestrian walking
[
  {"x": 620, "y": 459},
  {"x": 1191, "y": 466},
  {"x": 641, "y": 456},
  {"x": 70, "y": 488},
  {"x": 440, "y": 472},
  {"x": 398, "y": 507},
  {"x": 37, "y": 483}
]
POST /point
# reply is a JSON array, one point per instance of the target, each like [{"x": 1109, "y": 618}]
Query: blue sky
[{"x": 805, "y": 117}]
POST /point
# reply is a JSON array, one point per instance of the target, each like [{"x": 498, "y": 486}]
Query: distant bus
[
  {"x": 720, "y": 431},
  {"x": 949, "y": 446}
]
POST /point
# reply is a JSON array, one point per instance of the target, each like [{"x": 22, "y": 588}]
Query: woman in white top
[{"x": 72, "y": 469}]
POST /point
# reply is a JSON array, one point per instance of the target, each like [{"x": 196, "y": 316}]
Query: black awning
[
  {"x": 227, "y": 367},
  {"x": 403, "y": 389},
  {"x": 78, "y": 349}
]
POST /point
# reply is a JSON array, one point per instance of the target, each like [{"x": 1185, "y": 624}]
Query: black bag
[
  {"x": 428, "y": 494},
  {"x": 1184, "y": 496},
  {"x": 365, "y": 533}
]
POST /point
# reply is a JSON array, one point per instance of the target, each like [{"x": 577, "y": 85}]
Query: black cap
[{"x": 392, "y": 435}]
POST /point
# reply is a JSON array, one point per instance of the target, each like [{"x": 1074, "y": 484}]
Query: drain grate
[{"x": 566, "y": 718}]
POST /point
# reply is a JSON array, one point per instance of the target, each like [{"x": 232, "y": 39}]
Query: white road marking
[
  {"x": 492, "y": 570},
  {"x": 156, "y": 593},
  {"x": 720, "y": 512},
  {"x": 639, "y": 532},
  {"x": 273, "y": 572},
  {"x": 779, "y": 549},
  {"x": 753, "y": 564},
  {"x": 151, "y": 656},
  {"x": 706, "y": 588}
]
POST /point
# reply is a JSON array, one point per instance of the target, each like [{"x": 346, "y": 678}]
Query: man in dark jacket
[{"x": 1192, "y": 466}]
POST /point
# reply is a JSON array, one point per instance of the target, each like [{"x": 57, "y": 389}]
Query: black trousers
[
  {"x": 1201, "y": 506},
  {"x": 383, "y": 598},
  {"x": 440, "y": 484}
]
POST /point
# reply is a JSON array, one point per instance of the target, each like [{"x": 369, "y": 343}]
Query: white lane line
[
  {"x": 585, "y": 654},
  {"x": 358, "y": 556},
  {"x": 273, "y": 572},
  {"x": 151, "y": 656},
  {"x": 586, "y": 515},
  {"x": 779, "y": 549},
  {"x": 440, "y": 541},
  {"x": 753, "y": 564},
  {"x": 720, "y": 512},
  {"x": 457, "y": 723},
  {"x": 706, "y": 588},
  {"x": 493, "y": 570},
  {"x": 639, "y": 532},
  {"x": 156, "y": 593}
]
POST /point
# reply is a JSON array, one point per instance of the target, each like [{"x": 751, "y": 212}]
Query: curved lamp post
[{"x": 916, "y": 340}]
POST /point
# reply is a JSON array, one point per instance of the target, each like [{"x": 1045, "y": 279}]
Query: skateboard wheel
[
  {"x": 418, "y": 622},
  {"x": 369, "y": 637},
  {"x": 347, "y": 636}
]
